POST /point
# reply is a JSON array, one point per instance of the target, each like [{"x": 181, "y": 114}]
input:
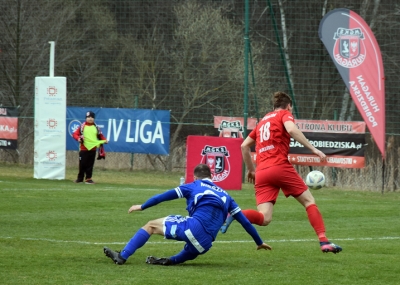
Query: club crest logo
[
  {"x": 229, "y": 129},
  {"x": 349, "y": 49},
  {"x": 217, "y": 159}
]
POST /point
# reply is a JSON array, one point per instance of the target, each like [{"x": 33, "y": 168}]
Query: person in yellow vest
[{"x": 90, "y": 138}]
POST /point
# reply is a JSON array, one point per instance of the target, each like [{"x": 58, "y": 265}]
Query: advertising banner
[
  {"x": 49, "y": 130},
  {"x": 222, "y": 155},
  {"x": 356, "y": 55},
  {"x": 342, "y": 142},
  {"x": 127, "y": 130},
  {"x": 232, "y": 127},
  {"x": 8, "y": 127}
]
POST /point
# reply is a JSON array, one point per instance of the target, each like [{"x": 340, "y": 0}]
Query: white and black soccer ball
[{"x": 315, "y": 179}]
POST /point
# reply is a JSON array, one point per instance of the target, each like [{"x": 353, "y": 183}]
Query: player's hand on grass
[
  {"x": 264, "y": 246},
  {"x": 135, "y": 208}
]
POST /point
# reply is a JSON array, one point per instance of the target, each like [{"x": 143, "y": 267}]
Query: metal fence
[{"x": 190, "y": 57}]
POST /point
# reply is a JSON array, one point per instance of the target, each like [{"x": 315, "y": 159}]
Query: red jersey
[{"x": 272, "y": 139}]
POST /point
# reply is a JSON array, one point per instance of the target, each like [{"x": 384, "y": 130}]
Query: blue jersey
[{"x": 206, "y": 202}]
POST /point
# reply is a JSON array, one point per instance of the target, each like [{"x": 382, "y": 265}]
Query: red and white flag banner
[{"x": 356, "y": 54}]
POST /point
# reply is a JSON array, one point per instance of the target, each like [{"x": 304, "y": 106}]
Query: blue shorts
[{"x": 187, "y": 229}]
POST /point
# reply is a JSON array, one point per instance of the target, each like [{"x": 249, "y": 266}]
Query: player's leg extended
[
  {"x": 317, "y": 222},
  {"x": 261, "y": 217},
  {"x": 181, "y": 257},
  {"x": 137, "y": 241},
  {"x": 185, "y": 229},
  {"x": 142, "y": 236},
  {"x": 313, "y": 213},
  {"x": 266, "y": 195}
]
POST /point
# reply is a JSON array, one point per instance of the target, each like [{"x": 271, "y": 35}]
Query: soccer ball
[{"x": 315, "y": 179}]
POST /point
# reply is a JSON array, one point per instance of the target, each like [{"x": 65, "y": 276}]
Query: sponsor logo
[
  {"x": 51, "y": 155},
  {"x": 217, "y": 159},
  {"x": 52, "y": 91},
  {"x": 73, "y": 125},
  {"x": 52, "y": 123},
  {"x": 229, "y": 129},
  {"x": 8, "y": 129},
  {"x": 349, "y": 49}
]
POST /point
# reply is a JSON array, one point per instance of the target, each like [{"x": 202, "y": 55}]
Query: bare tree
[{"x": 26, "y": 27}]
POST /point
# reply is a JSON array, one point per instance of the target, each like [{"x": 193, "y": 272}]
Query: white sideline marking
[
  {"x": 81, "y": 187},
  {"x": 231, "y": 241}
]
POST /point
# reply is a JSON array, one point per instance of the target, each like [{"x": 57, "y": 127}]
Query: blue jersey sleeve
[
  {"x": 233, "y": 208},
  {"x": 166, "y": 196},
  {"x": 250, "y": 229}
]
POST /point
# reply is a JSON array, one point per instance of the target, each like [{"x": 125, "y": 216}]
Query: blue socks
[
  {"x": 137, "y": 241},
  {"x": 183, "y": 256}
]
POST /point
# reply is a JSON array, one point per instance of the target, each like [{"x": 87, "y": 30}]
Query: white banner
[{"x": 50, "y": 127}]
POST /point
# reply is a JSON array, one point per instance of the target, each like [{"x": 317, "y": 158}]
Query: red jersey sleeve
[
  {"x": 77, "y": 134},
  {"x": 101, "y": 136},
  {"x": 253, "y": 133},
  {"x": 287, "y": 117}
]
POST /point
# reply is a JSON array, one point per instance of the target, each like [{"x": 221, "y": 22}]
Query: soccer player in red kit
[{"x": 274, "y": 171}]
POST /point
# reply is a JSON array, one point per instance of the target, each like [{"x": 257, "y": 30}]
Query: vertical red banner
[
  {"x": 356, "y": 54},
  {"x": 222, "y": 155},
  {"x": 8, "y": 127}
]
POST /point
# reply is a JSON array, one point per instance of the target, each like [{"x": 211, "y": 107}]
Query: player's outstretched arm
[
  {"x": 135, "y": 208},
  {"x": 298, "y": 135},
  {"x": 250, "y": 229},
  {"x": 166, "y": 196}
]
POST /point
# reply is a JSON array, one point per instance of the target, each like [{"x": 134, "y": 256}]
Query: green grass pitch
[{"x": 53, "y": 232}]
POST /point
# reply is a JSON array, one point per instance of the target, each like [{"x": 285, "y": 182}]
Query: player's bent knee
[
  {"x": 266, "y": 221},
  {"x": 154, "y": 227}
]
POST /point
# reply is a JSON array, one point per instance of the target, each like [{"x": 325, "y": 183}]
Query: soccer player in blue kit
[{"x": 207, "y": 205}]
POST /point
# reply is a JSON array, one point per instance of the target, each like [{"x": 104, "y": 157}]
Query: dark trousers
[{"x": 86, "y": 163}]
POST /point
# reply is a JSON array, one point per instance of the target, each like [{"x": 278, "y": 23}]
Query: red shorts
[{"x": 271, "y": 179}]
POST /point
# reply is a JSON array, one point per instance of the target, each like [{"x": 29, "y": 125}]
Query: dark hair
[
  {"x": 281, "y": 100},
  {"x": 202, "y": 171}
]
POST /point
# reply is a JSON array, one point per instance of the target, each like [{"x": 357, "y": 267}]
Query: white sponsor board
[{"x": 50, "y": 127}]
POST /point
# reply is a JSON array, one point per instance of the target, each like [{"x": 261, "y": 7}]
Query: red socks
[
  {"x": 316, "y": 221},
  {"x": 255, "y": 217}
]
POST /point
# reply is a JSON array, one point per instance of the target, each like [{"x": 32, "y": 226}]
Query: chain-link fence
[{"x": 190, "y": 57}]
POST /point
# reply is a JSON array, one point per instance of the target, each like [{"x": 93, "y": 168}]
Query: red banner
[
  {"x": 331, "y": 161},
  {"x": 222, "y": 155},
  {"x": 356, "y": 54},
  {"x": 8, "y": 128}
]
